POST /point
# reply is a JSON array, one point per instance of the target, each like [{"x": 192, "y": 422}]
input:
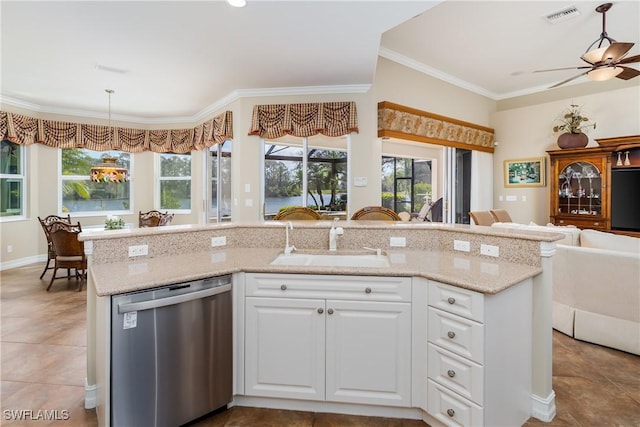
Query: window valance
[
  {"x": 398, "y": 121},
  {"x": 27, "y": 130},
  {"x": 326, "y": 118}
]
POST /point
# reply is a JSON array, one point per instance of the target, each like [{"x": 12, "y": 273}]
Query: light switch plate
[
  {"x": 489, "y": 250},
  {"x": 218, "y": 241},
  {"x": 397, "y": 242},
  {"x": 138, "y": 250},
  {"x": 462, "y": 245}
]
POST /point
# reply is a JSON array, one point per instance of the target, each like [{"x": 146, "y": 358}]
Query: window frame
[
  {"x": 160, "y": 179},
  {"x": 62, "y": 178},
  {"x": 306, "y": 144},
  {"x": 217, "y": 151},
  {"x": 22, "y": 178}
]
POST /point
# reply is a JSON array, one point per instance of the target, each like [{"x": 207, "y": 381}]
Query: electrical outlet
[
  {"x": 490, "y": 250},
  {"x": 218, "y": 241},
  {"x": 398, "y": 242},
  {"x": 138, "y": 250},
  {"x": 461, "y": 245},
  {"x": 9, "y": 248}
]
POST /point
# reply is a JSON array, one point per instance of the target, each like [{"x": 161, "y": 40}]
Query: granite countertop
[{"x": 477, "y": 273}]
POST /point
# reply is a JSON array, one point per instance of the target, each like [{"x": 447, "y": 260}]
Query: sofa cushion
[{"x": 614, "y": 242}]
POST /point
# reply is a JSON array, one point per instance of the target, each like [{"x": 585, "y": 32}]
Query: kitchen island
[{"x": 427, "y": 266}]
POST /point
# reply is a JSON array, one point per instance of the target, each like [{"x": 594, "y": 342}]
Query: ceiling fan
[{"x": 604, "y": 61}]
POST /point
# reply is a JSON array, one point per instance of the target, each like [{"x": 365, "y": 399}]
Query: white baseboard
[
  {"x": 90, "y": 395},
  {"x": 543, "y": 408},
  {"x": 21, "y": 262}
]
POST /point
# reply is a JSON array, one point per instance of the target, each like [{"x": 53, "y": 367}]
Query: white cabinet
[
  {"x": 479, "y": 355},
  {"x": 324, "y": 347}
]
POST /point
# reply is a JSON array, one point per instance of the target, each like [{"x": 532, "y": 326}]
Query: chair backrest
[
  {"x": 297, "y": 213},
  {"x": 154, "y": 218},
  {"x": 379, "y": 213},
  {"x": 500, "y": 215},
  {"x": 46, "y": 224},
  {"x": 482, "y": 217},
  {"x": 65, "y": 239}
]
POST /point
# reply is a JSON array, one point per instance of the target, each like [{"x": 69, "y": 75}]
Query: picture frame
[{"x": 525, "y": 172}]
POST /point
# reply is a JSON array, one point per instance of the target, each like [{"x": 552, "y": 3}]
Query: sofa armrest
[{"x": 598, "y": 280}]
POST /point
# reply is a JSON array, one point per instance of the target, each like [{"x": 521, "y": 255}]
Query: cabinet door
[
  {"x": 284, "y": 348},
  {"x": 369, "y": 352}
]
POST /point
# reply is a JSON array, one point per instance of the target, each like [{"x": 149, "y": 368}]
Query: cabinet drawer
[
  {"x": 451, "y": 299},
  {"x": 452, "y": 409},
  {"x": 366, "y": 288},
  {"x": 456, "y": 373},
  {"x": 597, "y": 224},
  {"x": 462, "y": 336}
]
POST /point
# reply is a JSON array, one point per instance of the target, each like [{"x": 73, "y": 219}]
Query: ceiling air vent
[{"x": 562, "y": 15}]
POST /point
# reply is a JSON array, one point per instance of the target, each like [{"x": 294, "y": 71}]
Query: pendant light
[{"x": 109, "y": 170}]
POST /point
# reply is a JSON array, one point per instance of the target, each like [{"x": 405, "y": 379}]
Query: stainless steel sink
[{"x": 333, "y": 260}]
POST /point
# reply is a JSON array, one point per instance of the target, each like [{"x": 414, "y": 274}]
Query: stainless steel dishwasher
[{"x": 171, "y": 353}]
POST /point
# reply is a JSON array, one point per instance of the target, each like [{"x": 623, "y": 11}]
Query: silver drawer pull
[
  {"x": 451, "y": 334},
  {"x": 367, "y": 290},
  {"x": 320, "y": 310},
  {"x": 330, "y": 311},
  {"x": 451, "y": 373},
  {"x": 283, "y": 287},
  {"x": 451, "y": 300},
  {"x": 451, "y": 412}
]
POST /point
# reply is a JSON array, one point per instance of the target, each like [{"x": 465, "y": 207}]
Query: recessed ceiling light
[{"x": 237, "y": 3}]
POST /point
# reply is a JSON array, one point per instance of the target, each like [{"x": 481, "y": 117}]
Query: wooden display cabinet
[{"x": 580, "y": 182}]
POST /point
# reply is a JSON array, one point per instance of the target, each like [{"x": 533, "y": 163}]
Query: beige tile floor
[{"x": 43, "y": 348}]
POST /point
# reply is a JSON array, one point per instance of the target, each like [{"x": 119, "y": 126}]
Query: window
[
  {"x": 308, "y": 172},
  {"x": 220, "y": 166},
  {"x": 12, "y": 180},
  {"x": 175, "y": 182},
  {"x": 81, "y": 195},
  {"x": 406, "y": 183}
]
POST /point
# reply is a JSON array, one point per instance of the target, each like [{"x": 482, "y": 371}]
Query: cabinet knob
[
  {"x": 283, "y": 287},
  {"x": 367, "y": 290},
  {"x": 320, "y": 310},
  {"x": 330, "y": 311},
  {"x": 451, "y": 300},
  {"x": 596, "y": 223},
  {"x": 451, "y": 334},
  {"x": 451, "y": 412},
  {"x": 451, "y": 373}
]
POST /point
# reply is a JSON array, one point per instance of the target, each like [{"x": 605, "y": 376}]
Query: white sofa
[{"x": 596, "y": 286}]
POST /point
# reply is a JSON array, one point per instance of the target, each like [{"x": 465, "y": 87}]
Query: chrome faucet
[
  {"x": 333, "y": 235},
  {"x": 288, "y": 249}
]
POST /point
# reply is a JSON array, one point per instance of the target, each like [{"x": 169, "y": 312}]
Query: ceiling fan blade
[
  {"x": 616, "y": 51},
  {"x": 568, "y": 80},
  {"x": 628, "y": 73},
  {"x": 629, "y": 60},
  {"x": 559, "y": 69}
]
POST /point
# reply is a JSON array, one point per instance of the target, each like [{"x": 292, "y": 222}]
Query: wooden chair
[
  {"x": 154, "y": 218},
  {"x": 376, "y": 213},
  {"x": 297, "y": 213},
  {"x": 69, "y": 251},
  {"x": 46, "y": 223},
  {"x": 500, "y": 215},
  {"x": 482, "y": 218}
]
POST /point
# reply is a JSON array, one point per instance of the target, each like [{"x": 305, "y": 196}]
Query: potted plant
[{"x": 572, "y": 124}]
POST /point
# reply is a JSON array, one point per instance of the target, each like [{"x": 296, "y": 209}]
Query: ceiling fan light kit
[{"x": 604, "y": 61}]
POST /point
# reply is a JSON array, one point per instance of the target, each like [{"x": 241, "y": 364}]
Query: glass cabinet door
[{"x": 580, "y": 189}]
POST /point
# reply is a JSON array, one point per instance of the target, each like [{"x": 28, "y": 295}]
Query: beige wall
[
  {"x": 522, "y": 128},
  {"x": 526, "y": 131}
]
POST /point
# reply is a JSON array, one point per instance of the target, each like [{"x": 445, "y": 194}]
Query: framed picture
[{"x": 524, "y": 172}]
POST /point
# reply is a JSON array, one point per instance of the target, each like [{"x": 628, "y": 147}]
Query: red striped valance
[
  {"x": 26, "y": 130},
  {"x": 327, "y": 118}
]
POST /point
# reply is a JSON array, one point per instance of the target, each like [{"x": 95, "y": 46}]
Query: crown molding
[{"x": 202, "y": 115}]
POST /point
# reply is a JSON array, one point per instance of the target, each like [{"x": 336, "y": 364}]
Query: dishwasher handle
[{"x": 163, "y": 302}]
